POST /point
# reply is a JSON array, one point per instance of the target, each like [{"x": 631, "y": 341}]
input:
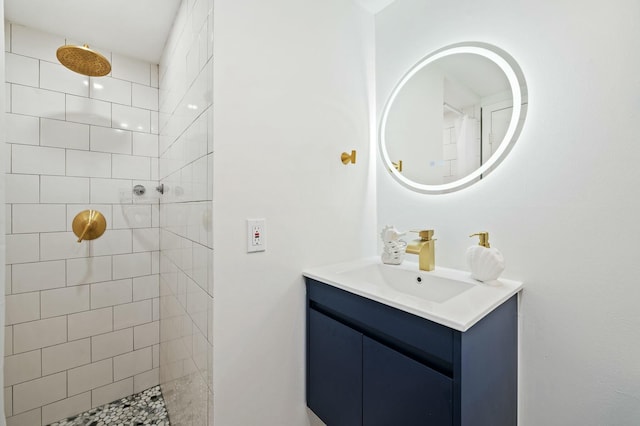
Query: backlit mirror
[{"x": 453, "y": 117}]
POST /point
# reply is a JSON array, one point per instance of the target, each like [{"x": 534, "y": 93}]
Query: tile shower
[
  {"x": 90, "y": 323},
  {"x": 186, "y": 222},
  {"x": 143, "y": 408}
]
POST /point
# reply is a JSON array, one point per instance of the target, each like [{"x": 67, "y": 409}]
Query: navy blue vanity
[{"x": 371, "y": 364}]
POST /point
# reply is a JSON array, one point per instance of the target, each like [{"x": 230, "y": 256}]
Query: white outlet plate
[{"x": 256, "y": 235}]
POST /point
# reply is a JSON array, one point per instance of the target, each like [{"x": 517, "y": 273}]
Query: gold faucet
[{"x": 424, "y": 247}]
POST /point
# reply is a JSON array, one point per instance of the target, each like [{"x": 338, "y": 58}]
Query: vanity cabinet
[{"x": 371, "y": 364}]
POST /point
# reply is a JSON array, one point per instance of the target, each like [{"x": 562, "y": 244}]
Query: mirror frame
[{"x": 519, "y": 94}]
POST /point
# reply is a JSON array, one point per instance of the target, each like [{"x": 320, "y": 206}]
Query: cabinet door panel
[
  {"x": 433, "y": 340},
  {"x": 334, "y": 371},
  {"x": 401, "y": 391}
]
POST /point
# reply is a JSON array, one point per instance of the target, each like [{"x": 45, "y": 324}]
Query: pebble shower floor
[{"x": 144, "y": 408}]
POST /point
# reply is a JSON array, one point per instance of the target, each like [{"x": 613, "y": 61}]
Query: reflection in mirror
[{"x": 452, "y": 118}]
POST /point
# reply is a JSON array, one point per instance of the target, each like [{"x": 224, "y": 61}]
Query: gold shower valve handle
[
  {"x": 86, "y": 228},
  {"x": 347, "y": 158},
  {"x": 89, "y": 225}
]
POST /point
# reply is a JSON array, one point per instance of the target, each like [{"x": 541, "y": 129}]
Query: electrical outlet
[{"x": 256, "y": 235}]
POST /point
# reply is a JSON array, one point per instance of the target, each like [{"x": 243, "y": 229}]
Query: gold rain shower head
[{"x": 83, "y": 60}]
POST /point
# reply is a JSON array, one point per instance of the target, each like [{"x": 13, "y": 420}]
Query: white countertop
[{"x": 459, "y": 312}]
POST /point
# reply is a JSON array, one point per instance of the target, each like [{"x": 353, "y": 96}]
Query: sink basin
[
  {"x": 447, "y": 296},
  {"x": 416, "y": 283}
]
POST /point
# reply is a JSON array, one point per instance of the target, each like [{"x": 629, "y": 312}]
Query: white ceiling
[
  {"x": 137, "y": 28},
  {"x": 374, "y": 6}
]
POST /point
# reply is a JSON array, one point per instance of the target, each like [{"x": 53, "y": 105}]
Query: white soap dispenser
[{"x": 486, "y": 263}]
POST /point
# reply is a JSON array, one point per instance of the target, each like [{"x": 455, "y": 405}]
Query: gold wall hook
[
  {"x": 89, "y": 225},
  {"x": 347, "y": 158},
  {"x": 397, "y": 166}
]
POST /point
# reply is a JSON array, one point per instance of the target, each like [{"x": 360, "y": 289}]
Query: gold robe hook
[{"x": 347, "y": 158}]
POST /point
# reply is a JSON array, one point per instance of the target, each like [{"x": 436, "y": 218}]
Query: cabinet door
[
  {"x": 400, "y": 391},
  {"x": 334, "y": 363}
]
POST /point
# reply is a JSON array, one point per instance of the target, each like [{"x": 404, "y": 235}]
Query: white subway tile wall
[
  {"x": 22, "y": 308},
  {"x": 22, "y": 129},
  {"x": 62, "y": 134},
  {"x": 82, "y": 320},
  {"x": 112, "y": 392},
  {"x": 64, "y": 357},
  {"x": 186, "y": 240},
  {"x": 111, "y": 140},
  {"x": 112, "y": 344},
  {"x": 22, "y": 70},
  {"x": 66, "y": 408}
]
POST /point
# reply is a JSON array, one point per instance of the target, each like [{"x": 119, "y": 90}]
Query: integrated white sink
[
  {"x": 423, "y": 285},
  {"x": 447, "y": 296}
]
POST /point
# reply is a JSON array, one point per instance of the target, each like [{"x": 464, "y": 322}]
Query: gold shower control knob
[{"x": 89, "y": 225}]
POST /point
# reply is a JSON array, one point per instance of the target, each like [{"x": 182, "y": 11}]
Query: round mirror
[{"x": 453, "y": 117}]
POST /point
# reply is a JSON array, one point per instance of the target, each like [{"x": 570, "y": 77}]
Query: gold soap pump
[
  {"x": 486, "y": 263},
  {"x": 483, "y": 237}
]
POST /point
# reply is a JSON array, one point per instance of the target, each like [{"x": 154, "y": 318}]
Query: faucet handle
[{"x": 425, "y": 234}]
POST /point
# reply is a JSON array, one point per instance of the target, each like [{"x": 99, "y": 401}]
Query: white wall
[
  {"x": 414, "y": 128},
  {"x": 186, "y": 160},
  {"x": 3, "y": 150},
  {"x": 292, "y": 90},
  {"x": 82, "y": 319},
  {"x": 563, "y": 207}
]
